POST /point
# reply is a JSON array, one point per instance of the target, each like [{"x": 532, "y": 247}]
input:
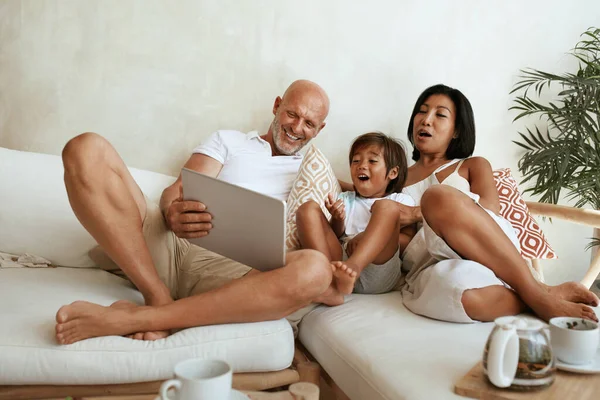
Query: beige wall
[{"x": 156, "y": 77}]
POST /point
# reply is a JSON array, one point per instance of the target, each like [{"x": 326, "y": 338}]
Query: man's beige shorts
[{"x": 184, "y": 268}]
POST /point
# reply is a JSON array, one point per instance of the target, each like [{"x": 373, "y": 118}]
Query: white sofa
[
  {"x": 35, "y": 217},
  {"x": 372, "y": 347}
]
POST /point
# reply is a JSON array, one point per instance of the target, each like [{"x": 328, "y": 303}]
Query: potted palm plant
[{"x": 562, "y": 150}]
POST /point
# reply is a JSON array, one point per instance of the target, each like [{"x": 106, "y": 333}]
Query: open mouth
[
  {"x": 424, "y": 134},
  {"x": 363, "y": 177}
]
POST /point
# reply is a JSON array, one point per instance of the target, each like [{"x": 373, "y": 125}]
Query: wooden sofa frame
[
  {"x": 304, "y": 366},
  {"x": 302, "y": 370}
]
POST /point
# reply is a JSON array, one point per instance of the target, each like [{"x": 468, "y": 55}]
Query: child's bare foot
[
  {"x": 575, "y": 292},
  {"x": 331, "y": 297},
  {"x": 155, "y": 335},
  {"x": 82, "y": 320},
  {"x": 344, "y": 276}
]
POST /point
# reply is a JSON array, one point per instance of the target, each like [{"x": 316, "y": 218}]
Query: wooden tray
[{"x": 566, "y": 386}]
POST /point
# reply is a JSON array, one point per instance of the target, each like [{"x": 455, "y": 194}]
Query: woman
[{"x": 464, "y": 264}]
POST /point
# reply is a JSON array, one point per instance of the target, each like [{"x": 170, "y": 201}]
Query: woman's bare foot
[
  {"x": 575, "y": 292},
  {"x": 344, "y": 276},
  {"x": 82, "y": 320},
  {"x": 124, "y": 304},
  {"x": 548, "y": 305}
]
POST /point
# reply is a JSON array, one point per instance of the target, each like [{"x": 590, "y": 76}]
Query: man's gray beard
[{"x": 277, "y": 133}]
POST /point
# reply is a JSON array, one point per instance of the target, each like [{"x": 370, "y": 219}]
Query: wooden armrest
[{"x": 578, "y": 215}]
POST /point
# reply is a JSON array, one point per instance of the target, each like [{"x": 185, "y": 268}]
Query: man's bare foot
[
  {"x": 548, "y": 305},
  {"x": 344, "y": 276},
  {"x": 575, "y": 292},
  {"x": 82, "y": 320},
  {"x": 124, "y": 304}
]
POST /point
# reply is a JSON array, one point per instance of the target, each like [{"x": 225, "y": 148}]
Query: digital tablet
[{"x": 248, "y": 227}]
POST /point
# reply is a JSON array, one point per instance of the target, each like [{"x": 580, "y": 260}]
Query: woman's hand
[
  {"x": 408, "y": 215},
  {"x": 353, "y": 243},
  {"x": 335, "y": 208}
]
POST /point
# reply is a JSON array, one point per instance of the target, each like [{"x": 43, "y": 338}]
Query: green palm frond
[
  {"x": 593, "y": 242},
  {"x": 562, "y": 151}
]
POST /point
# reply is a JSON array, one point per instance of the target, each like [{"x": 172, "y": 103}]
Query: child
[{"x": 363, "y": 239}]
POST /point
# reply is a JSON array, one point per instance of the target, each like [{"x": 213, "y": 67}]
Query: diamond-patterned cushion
[
  {"x": 513, "y": 208},
  {"x": 314, "y": 181}
]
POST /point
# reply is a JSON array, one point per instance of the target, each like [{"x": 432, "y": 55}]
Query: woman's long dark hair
[{"x": 464, "y": 124}]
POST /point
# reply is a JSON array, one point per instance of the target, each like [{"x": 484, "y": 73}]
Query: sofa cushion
[
  {"x": 514, "y": 209},
  {"x": 35, "y": 216},
  {"x": 315, "y": 181},
  {"x": 29, "y": 354},
  {"x": 375, "y": 349}
]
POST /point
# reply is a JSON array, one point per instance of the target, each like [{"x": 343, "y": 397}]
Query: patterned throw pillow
[
  {"x": 513, "y": 208},
  {"x": 314, "y": 181}
]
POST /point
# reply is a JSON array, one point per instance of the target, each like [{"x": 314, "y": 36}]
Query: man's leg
[
  {"x": 110, "y": 205},
  {"x": 255, "y": 297},
  {"x": 474, "y": 235}
]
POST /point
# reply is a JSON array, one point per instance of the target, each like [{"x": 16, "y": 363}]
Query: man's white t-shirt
[
  {"x": 248, "y": 162},
  {"x": 358, "y": 209}
]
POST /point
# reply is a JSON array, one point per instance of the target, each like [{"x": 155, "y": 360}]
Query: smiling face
[
  {"x": 299, "y": 117},
  {"x": 369, "y": 172},
  {"x": 434, "y": 125}
]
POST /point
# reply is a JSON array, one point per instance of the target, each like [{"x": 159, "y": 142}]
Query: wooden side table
[{"x": 566, "y": 386}]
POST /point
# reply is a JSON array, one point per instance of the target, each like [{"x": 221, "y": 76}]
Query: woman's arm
[
  {"x": 409, "y": 215},
  {"x": 406, "y": 235},
  {"x": 482, "y": 183},
  {"x": 346, "y": 186}
]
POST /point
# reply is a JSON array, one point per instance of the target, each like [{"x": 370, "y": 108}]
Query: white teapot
[{"x": 518, "y": 354}]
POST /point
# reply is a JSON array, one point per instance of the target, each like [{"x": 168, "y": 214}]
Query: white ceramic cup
[
  {"x": 574, "y": 340},
  {"x": 199, "y": 379}
]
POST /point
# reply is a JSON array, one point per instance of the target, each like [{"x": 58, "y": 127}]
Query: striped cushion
[
  {"x": 513, "y": 208},
  {"x": 314, "y": 181}
]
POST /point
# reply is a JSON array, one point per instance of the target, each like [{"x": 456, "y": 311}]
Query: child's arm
[
  {"x": 338, "y": 214},
  {"x": 406, "y": 235}
]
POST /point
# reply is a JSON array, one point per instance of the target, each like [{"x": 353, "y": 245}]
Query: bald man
[{"x": 184, "y": 285}]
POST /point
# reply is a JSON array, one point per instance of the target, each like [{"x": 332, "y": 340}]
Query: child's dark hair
[{"x": 393, "y": 155}]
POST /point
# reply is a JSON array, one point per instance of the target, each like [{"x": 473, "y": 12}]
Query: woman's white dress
[{"x": 436, "y": 276}]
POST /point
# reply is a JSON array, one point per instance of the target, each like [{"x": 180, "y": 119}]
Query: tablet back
[{"x": 248, "y": 227}]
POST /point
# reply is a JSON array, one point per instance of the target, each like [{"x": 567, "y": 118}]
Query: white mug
[
  {"x": 199, "y": 379},
  {"x": 574, "y": 340}
]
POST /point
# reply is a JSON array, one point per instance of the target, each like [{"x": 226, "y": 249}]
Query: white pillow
[
  {"x": 35, "y": 215},
  {"x": 314, "y": 181}
]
